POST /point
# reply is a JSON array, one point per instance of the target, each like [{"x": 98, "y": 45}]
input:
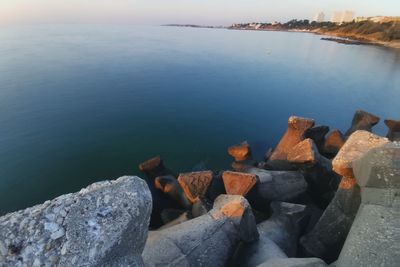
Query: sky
[{"x": 206, "y": 12}]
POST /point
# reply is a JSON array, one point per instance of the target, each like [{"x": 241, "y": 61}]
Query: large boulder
[
  {"x": 208, "y": 240},
  {"x": 362, "y": 120},
  {"x": 294, "y": 134},
  {"x": 104, "y": 224},
  {"x": 329, "y": 234},
  {"x": 394, "y": 130},
  {"x": 375, "y": 234}
]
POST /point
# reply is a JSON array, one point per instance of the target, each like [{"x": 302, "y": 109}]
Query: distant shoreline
[{"x": 348, "y": 39}]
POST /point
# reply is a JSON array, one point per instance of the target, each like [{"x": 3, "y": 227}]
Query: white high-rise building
[
  {"x": 320, "y": 17},
  {"x": 342, "y": 16}
]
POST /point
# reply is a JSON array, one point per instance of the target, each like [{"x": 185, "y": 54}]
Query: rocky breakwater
[
  {"x": 105, "y": 224},
  {"x": 293, "y": 208},
  {"x": 319, "y": 197}
]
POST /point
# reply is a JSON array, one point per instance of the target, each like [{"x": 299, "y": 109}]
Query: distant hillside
[{"x": 366, "y": 30}]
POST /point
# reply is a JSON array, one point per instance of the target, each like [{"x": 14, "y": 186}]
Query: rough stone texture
[
  {"x": 104, "y": 224},
  {"x": 394, "y": 130},
  {"x": 150, "y": 164},
  {"x": 294, "y": 134},
  {"x": 333, "y": 142},
  {"x": 362, "y": 121},
  {"x": 240, "y": 152},
  {"x": 195, "y": 184},
  {"x": 237, "y": 183},
  {"x": 208, "y": 240},
  {"x": 278, "y": 185},
  {"x": 358, "y": 144},
  {"x": 374, "y": 238},
  {"x": 294, "y": 262},
  {"x": 278, "y": 236},
  {"x": 169, "y": 185}
]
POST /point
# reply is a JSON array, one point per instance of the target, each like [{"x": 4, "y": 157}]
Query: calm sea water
[{"x": 80, "y": 104}]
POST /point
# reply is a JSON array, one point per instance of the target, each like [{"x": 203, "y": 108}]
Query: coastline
[
  {"x": 349, "y": 38},
  {"x": 362, "y": 40}
]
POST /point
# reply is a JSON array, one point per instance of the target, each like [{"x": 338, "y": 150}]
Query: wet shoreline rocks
[{"x": 320, "y": 197}]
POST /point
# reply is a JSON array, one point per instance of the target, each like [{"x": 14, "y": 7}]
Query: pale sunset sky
[{"x": 207, "y": 12}]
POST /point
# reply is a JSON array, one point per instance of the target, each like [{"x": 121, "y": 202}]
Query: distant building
[
  {"x": 340, "y": 17},
  {"x": 360, "y": 19},
  {"x": 383, "y": 19},
  {"x": 320, "y": 17}
]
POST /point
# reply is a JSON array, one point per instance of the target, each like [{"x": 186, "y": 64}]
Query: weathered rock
[
  {"x": 278, "y": 236},
  {"x": 329, "y": 234},
  {"x": 237, "y": 183},
  {"x": 333, "y": 143},
  {"x": 375, "y": 234},
  {"x": 208, "y": 240},
  {"x": 195, "y": 184},
  {"x": 294, "y": 262},
  {"x": 169, "y": 185},
  {"x": 297, "y": 126},
  {"x": 104, "y": 224},
  {"x": 240, "y": 152},
  {"x": 362, "y": 120},
  {"x": 394, "y": 130},
  {"x": 277, "y": 185},
  {"x": 317, "y": 134}
]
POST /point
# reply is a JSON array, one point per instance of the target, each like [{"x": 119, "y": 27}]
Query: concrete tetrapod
[
  {"x": 394, "y": 130},
  {"x": 317, "y": 170},
  {"x": 362, "y": 120},
  {"x": 278, "y": 236},
  {"x": 329, "y": 234},
  {"x": 152, "y": 169},
  {"x": 294, "y": 134},
  {"x": 208, "y": 240},
  {"x": 374, "y": 238}
]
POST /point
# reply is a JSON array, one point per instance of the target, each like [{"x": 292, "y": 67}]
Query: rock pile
[
  {"x": 296, "y": 207},
  {"x": 319, "y": 198}
]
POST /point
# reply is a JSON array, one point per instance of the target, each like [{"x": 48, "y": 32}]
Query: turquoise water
[{"x": 80, "y": 104}]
